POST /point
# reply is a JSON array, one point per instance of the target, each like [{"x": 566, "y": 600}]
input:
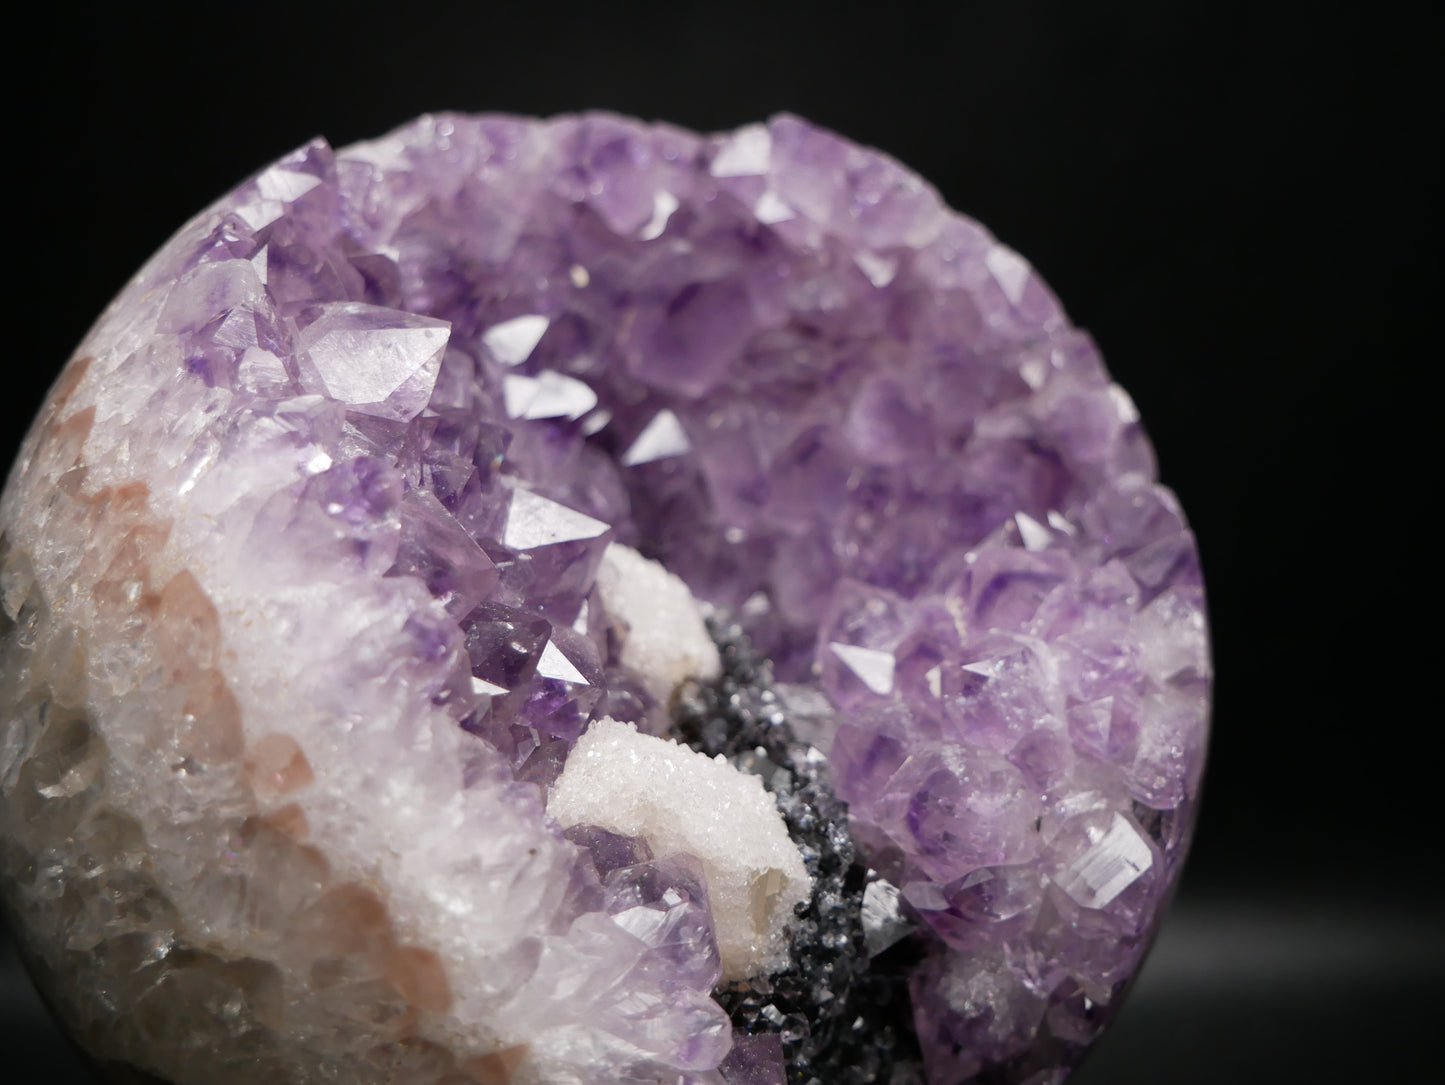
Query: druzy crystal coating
[{"x": 300, "y": 572}]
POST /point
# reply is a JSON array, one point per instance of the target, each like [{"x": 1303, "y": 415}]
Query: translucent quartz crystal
[{"x": 313, "y": 575}]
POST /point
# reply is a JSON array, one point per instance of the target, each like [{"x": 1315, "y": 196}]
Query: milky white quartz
[
  {"x": 682, "y": 801},
  {"x": 665, "y": 642}
]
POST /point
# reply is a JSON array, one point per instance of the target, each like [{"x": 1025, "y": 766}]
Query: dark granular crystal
[{"x": 844, "y": 1018}]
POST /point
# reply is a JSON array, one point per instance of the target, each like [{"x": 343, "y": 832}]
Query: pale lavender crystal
[
  {"x": 389, "y": 406},
  {"x": 664, "y": 904}
]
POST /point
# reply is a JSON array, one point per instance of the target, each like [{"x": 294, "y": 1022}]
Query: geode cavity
[{"x": 303, "y": 617}]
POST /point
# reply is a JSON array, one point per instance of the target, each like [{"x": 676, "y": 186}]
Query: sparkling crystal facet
[{"x": 300, "y": 574}]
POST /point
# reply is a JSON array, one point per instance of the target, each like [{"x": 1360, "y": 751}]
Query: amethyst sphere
[{"x": 577, "y": 602}]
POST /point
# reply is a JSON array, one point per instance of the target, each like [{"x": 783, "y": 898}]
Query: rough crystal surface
[
  {"x": 838, "y": 1006},
  {"x": 683, "y": 803},
  {"x": 663, "y": 638},
  {"x": 300, "y": 580}
]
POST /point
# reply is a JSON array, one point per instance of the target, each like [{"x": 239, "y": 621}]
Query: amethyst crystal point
[{"x": 326, "y": 564}]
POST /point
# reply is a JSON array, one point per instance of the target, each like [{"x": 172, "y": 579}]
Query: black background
[{"x": 1234, "y": 198}]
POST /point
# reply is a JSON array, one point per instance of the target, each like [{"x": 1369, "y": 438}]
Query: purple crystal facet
[{"x": 475, "y": 352}]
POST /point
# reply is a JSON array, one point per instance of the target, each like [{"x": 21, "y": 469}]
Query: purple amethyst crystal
[{"x": 321, "y": 561}]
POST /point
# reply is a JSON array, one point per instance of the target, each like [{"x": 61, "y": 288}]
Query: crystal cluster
[
  {"x": 838, "y": 1008},
  {"x": 308, "y": 597},
  {"x": 681, "y": 802}
]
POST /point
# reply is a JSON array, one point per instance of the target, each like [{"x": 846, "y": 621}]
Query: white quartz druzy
[
  {"x": 665, "y": 640},
  {"x": 682, "y": 801}
]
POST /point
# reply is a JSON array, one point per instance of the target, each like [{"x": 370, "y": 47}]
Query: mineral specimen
[{"x": 341, "y": 532}]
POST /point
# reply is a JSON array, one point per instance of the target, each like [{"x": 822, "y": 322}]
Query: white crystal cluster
[
  {"x": 683, "y": 802},
  {"x": 663, "y": 636}
]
